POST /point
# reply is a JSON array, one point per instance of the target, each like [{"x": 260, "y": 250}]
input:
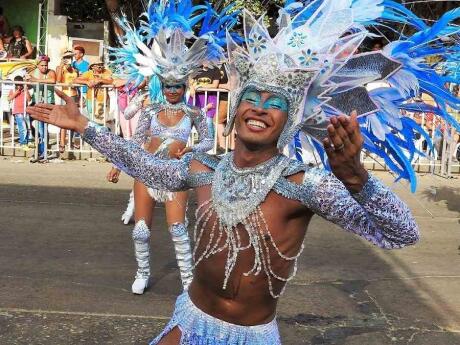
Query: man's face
[
  {"x": 43, "y": 67},
  {"x": 260, "y": 118},
  {"x": 67, "y": 60},
  {"x": 78, "y": 54},
  {"x": 377, "y": 47},
  {"x": 98, "y": 68},
  {"x": 174, "y": 93}
]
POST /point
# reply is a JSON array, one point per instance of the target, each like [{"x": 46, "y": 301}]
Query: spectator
[
  {"x": 377, "y": 45},
  {"x": 456, "y": 147},
  {"x": 4, "y": 27},
  {"x": 80, "y": 64},
  {"x": 97, "y": 76},
  {"x": 3, "y": 52},
  {"x": 223, "y": 110},
  {"x": 19, "y": 46},
  {"x": 20, "y": 98},
  {"x": 66, "y": 74},
  {"x": 125, "y": 95},
  {"x": 206, "y": 79},
  {"x": 44, "y": 93}
]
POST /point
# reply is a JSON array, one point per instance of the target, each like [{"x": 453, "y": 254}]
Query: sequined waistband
[
  {"x": 197, "y": 327},
  {"x": 189, "y": 307}
]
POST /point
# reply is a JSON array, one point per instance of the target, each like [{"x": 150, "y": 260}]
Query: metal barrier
[
  {"x": 101, "y": 105},
  {"x": 98, "y": 104},
  {"x": 221, "y": 144},
  {"x": 445, "y": 140}
]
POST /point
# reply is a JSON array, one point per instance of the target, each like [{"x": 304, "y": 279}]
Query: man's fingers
[
  {"x": 333, "y": 134},
  {"x": 339, "y": 126},
  {"x": 38, "y": 114},
  {"x": 62, "y": 95},
  {"x": 43, "y": 110},
  {"x": 44, "y": 106},
  {"x": 327, "y": 144},
  {"x": 353, "y": 130}
]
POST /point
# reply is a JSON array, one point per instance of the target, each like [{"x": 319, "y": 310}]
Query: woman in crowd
[
  {"x": 125, "y": 93},
  {"x": 19, "y": 46}
]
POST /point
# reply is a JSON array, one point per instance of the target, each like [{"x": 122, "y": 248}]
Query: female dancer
[
  {"x": 185, "y": 37},
  {"x": 164, "y": 129}
]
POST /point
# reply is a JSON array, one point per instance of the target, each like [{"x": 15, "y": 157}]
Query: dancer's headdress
[
  {"x": 173, "y": 41},
  {"x": 313, "y": 62}
]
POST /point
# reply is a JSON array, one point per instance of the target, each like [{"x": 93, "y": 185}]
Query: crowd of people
[
  {"x": 41, "y": 83},
  {"x": 91, "y": 85}
]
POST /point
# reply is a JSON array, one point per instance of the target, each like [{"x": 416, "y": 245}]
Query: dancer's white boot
[
  {"x": 183, "y": 250},
  {"x": 129, "y": 213},
  {"x": 141, "y": 237}
]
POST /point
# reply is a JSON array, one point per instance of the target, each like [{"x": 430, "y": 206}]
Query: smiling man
[
  {"x": 254, "y": 208},
  {"x": 255, "y": 204}
]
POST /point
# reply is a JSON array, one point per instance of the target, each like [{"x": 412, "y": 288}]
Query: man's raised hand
[
  {"x": 64, "y": 116},
  {"x": 343, "y": 147}
]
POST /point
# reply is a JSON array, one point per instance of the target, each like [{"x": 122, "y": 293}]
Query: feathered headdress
[
  {"x": 166, "y": 45},
  {"x": 313, "y": 62}
]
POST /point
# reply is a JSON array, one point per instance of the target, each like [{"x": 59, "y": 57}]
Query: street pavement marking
[
  {"x": 76, "y": 313},
  {"x": 9, "y": 201}
]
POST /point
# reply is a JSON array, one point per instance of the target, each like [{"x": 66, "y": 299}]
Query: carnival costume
[
  {"x": 311, "y": 62},
  {"x": 168, "y": 61}
]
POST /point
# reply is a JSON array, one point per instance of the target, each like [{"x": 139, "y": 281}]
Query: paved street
[{"x": 66, "y": 268}]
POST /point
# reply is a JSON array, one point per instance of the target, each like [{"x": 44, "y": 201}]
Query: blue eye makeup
[
  {"x": 173, "y": 87},
  {"x": 251, "y": 96},
  {"x": 275, "y": 102}
]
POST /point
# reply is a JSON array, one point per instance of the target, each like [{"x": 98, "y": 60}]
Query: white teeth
[{"x": 257, "y": 123}]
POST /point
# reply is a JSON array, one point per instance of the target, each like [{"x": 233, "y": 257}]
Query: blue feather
[{"x": 298, "y": 147}]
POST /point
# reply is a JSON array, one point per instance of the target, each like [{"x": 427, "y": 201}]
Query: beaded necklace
[{"x": 236, "y": 197}]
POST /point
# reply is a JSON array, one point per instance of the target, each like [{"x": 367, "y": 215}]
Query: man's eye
[{"x": 274, "y": 105}]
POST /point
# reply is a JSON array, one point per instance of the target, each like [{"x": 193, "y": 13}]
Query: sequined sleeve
[
  {"x": 143, "y": 127},
  {"x": 171, "y": 174},
  {"x": 134, "y": 106},
  {"x": 375, "y": 213},
  {"x": 205, "y": 139}
]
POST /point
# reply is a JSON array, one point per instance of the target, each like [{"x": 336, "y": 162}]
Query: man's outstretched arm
[
  {"x": 126, "y": 155},
  {"x": 353, "y": 199},
  {"x": 374, "y": 213}
]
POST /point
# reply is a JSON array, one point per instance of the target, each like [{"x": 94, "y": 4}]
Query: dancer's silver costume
[{"x": 148, "y": 127}]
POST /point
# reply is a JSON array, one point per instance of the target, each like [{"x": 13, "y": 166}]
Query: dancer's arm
[
  {"x": 127, "y": 155},
  {"x": 205, "y": 139},
  {"x": 134, "y": 106},
  {"x": 350, "y": 197},
  {"x": 374, "y": 213},
  {"x": 141, "y": 134},
  {"x": 131, "y": 158}
]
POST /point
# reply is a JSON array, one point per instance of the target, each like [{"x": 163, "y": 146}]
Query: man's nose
[{"x": 259, "y": 110}]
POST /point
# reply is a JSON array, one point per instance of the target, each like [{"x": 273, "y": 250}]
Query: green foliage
[
  {"x": 257, "y": 7},
  {"x": 85, "y": 10}
]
